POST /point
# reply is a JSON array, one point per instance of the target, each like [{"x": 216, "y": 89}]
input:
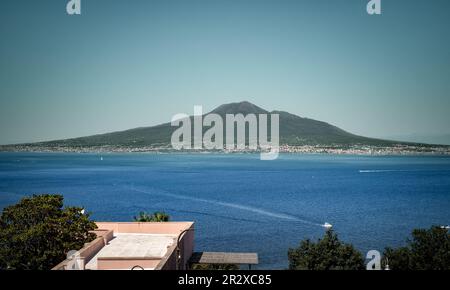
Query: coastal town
[{"x": 399, "y": 149}]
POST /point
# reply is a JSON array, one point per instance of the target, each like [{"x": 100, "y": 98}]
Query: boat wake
[
  {"x": 381, "y": 170},
  {"x": 229, "y": 205}
]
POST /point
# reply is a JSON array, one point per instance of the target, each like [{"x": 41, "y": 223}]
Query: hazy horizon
[
  {"x": 120, "y": 65},
  {"x": 443, "y": 139}
]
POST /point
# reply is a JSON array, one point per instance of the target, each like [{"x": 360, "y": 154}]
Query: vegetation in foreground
[
  {"x": 427, "y": 250},
  {"x": 37, "y": 232},
  {"x": 329, "y": 253},
  {"x": 155, "y": 217}
]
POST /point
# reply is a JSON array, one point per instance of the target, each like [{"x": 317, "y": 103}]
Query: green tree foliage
[
  {"x": 327, "y": 253},
  {"x": 155, "y": 217},
  {"x": 37, "y": 233},
  {"x": 428, "y": 250}
]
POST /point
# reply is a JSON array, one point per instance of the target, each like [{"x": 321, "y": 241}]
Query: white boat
[{"x": 327, "y": 225}]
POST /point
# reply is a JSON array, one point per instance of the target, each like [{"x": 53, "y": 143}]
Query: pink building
[{"x": 135, "y": 245}]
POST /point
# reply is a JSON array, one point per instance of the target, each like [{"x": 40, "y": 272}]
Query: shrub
[
  {"x": 37, "y": 232},
  {"x": 155, "y": 217},
  {"x": 428, "y": 250},
  {"x": 327, "y": 253}
]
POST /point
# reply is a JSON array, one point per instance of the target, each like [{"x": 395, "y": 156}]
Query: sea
[{"x": 240, "y": 203}]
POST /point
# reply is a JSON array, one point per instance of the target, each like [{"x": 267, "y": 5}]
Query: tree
[
  {"x": 428, "y": 250},
  {"x": 155, "y": 217},
  {"x": 37, "y": 232},
  {"x": 327, "y": 254}
]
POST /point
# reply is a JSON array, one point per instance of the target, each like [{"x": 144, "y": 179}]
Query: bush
[
  {"x": 37, "y": 233},
  {"x": 428, "y": 250},
  {"x": 327, "y": 254}
]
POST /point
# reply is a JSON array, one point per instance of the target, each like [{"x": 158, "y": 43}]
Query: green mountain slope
[{"x": 294, "y": 130}]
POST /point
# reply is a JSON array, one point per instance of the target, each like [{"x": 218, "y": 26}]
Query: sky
[{"x": 125, "y": 64}]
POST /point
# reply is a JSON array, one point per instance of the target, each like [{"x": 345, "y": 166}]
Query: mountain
[
  {"x": 294, "y": 130},
  {"x": 422, "y": 138}
]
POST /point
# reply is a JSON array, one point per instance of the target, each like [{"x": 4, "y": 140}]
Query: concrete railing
[
  {"x": 90, "y": 249},
  {"x": 105, "y": 233}
]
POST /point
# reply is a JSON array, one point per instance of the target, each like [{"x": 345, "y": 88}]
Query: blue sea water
[{"x": 243, "y": 204}]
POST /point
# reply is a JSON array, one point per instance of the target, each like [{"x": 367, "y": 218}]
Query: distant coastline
[
  {"x": 296, "y": 135},
  {"x": 399, "y": 149}
]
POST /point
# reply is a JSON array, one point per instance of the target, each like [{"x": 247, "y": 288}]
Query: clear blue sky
[{"x": 125, "y": 64}]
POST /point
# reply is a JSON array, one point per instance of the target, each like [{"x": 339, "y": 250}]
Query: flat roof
[
  {"x": 224, "y": 258},
  {"x": 130, "y": 245}
]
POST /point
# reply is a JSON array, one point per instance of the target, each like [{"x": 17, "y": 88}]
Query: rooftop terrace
[{"x": 150, "y": 246}]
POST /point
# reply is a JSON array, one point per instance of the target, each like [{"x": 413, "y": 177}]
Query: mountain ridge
[{"x": 294, "y": 131}]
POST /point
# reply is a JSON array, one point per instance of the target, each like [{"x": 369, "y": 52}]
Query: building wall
[{"x": 168, "y": 262}]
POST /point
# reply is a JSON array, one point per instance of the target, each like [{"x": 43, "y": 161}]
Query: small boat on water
[{"x": 327, "y": 226}]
